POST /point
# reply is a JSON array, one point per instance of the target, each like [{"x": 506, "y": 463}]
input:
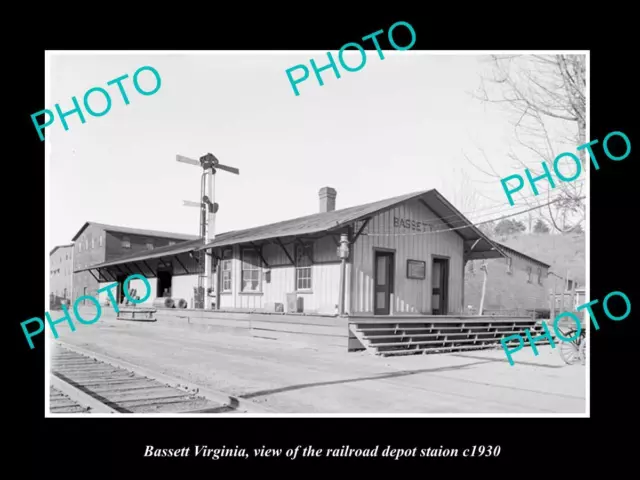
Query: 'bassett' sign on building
[{"x": 413, "y": 225}]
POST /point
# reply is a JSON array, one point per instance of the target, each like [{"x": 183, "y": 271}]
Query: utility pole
[
  {"x": 209, "y": 164},
  {"x": 483, "y": 267}
]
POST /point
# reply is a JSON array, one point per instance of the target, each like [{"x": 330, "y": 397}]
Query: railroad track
[
  {"x": 84, "y": 382},
  {"x": 62, "y": 403}
]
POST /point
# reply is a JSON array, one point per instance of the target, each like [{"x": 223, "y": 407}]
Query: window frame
[
  {"x": 309, "y": 267},
  {"x": 510, "y": 265},
  {"x": 149, "y": 245},
  {"x": 257, "y": 268},
  {"x": 539, "y": 275},
  {"x": 125, "y": 240},
  {"x": 224, "y": 262},
  {"x": 529, "y": 273}
]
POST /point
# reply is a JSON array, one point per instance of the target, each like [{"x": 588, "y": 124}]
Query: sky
[{"x": 398, "y": 125}]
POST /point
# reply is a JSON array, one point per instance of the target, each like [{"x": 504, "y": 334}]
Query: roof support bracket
[
  {"x": 101, "y": 275},
  {"x": 259, "y": 251},
  {"x": 155, "y": 274},
  {"x": 142, "y": 269},
  {"x": 286, "y": 252},
  {"x": 181, "y": 264},
  {"x": 115, "y": 277},
  {"x": 364, "y": 225},
  {"x": 302, "y": 245},
  {"x": 92, "y": 274},
  {"x": 127, "y": 267}
]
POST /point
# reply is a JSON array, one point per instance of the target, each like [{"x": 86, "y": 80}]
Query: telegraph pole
[
  {"x": 483, "y": 267},
  {"x": 209, "y": 164}
]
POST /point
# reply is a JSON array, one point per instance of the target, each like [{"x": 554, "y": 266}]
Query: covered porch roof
[{"x": 181, "y": 256}]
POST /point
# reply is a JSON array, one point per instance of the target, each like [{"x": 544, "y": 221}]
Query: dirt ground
[{"x": 294, "y": 378}]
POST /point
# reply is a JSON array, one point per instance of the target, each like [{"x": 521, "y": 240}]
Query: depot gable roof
[
  {"x": 511, "y": 251},
  {"x": 452, "y": 219}
]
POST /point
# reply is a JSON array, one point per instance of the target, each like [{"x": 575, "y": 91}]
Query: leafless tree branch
[{"x": 544, "y": 92}]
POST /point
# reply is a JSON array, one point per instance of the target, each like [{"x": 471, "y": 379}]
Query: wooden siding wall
[
  {"x": 138, "y": 244},
  {"x": 182, "y": 287},
  {"x": 275, "y": 286},
  {"x": 504, "y": 290},
  {"x": 410, "y": 296}
]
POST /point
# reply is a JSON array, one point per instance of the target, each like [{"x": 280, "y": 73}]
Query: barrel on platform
[{"x": 164, "y": 302}]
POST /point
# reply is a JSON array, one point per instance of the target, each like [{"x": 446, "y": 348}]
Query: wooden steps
[{"x": 399, "y": 336}]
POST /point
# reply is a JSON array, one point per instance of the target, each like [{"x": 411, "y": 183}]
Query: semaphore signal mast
[{"x": 209, "y": 164}]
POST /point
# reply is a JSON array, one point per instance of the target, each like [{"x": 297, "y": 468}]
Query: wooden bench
[{"x": 140, "y": 314}]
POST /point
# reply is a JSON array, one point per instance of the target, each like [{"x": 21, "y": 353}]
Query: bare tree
[
  {"x": 546, "y": 96},
  {"x": 465, "y": 196}
]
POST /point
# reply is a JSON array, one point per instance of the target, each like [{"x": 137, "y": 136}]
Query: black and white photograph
[{"x": 244, "y": 233}]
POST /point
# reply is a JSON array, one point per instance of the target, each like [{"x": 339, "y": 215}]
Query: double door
[{"x": 437, "y": 286}]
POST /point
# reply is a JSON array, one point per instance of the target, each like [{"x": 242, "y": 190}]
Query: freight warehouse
[{"x": 402, "y": 256}]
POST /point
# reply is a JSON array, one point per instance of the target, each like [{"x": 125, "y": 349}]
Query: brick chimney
[{"x": 327, "y": 199}]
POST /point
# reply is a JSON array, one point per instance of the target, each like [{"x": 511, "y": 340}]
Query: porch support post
[{"x": 343, "y": 253}]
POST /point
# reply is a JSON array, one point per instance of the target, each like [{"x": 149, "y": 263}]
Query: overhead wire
[
  {"x": 477, "y": 215},
  {"x": 463, "y": 226},
  {"x": 496, "y": 208}
]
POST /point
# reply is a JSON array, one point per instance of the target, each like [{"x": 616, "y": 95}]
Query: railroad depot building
[{"x": 407, "y": 256}]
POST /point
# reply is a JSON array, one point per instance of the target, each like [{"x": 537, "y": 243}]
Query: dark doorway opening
[
  {"x": 439, "y": 286},
  {"x": 164, "y": 283},
  {"x": 120, "y": 278},
  {"x": 383, "y": 284}
]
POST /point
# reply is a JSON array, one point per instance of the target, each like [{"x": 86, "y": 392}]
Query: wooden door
[
  {"x": 439, "y": 286},
  {"x": 383, "y": 284}
]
